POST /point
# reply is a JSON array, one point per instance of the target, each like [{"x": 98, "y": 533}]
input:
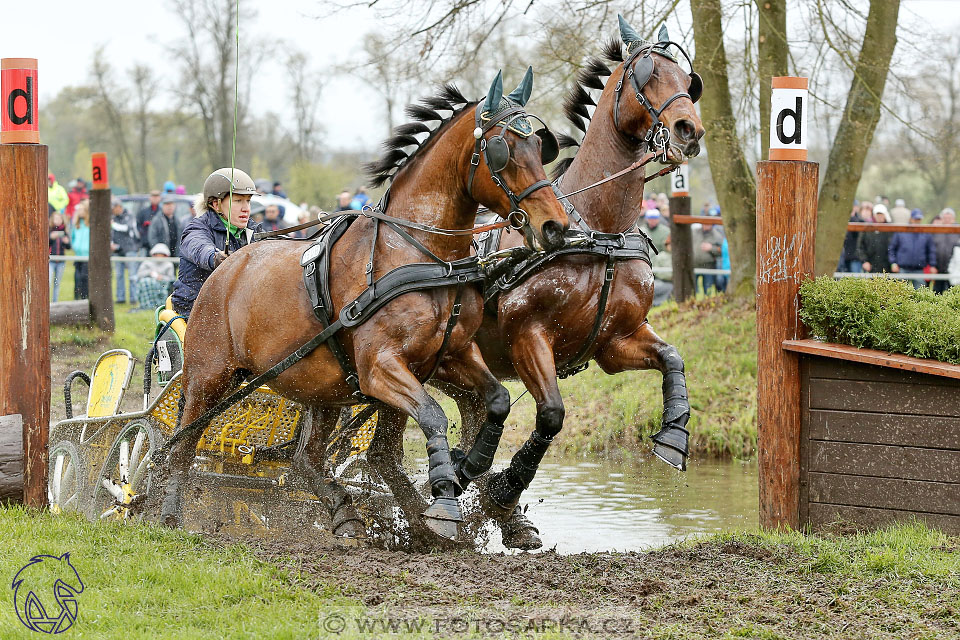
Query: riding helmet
[{"x": 217, "y": 184}]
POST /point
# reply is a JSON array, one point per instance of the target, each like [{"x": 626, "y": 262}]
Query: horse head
[
  {"x": 506, "y": 166},
  {"x": 662, "y": 113}
]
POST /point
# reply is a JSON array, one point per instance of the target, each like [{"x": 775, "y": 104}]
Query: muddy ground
[{"x": 712, "y": 589}]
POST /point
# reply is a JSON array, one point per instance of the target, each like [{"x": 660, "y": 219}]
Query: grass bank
[
  {"x": 614, "y": 415},
  {"x": 147, "y": 582}
]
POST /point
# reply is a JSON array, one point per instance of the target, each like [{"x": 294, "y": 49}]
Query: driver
[{"x": 219, "y": 229}]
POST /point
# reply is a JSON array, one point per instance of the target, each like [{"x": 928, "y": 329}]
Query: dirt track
[{"x": 706, "y": 590}]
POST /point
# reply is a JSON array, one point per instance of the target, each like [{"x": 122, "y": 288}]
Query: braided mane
[
  {"x": 395, "y": 157},
  {"x": 592, "y": 76}
]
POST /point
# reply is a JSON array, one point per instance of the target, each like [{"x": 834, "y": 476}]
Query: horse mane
[
  {"x": 592, "y": 76},
  {"x": 395, "y": 156}
]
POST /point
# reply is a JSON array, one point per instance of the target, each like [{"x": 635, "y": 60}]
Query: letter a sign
[
  {"x": 788, "y": 119},
  {"x": 18, "y": 101},
  {"x": 680, "y": 181}
]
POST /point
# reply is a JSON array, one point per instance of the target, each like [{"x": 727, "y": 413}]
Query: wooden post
[
  {"x": 100, "y": 274},
  {"x": 786, "y": 230},
  {"x": 681, "y": 241},
  {"x": 25, "y": 310}
]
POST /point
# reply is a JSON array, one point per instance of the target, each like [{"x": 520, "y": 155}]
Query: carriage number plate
[{"x": 164, "y": 357}]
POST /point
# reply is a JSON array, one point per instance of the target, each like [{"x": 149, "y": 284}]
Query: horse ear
[
  {"x": 521, "y": 94},
  {"x": 662, "y": 35},
  {"x": 494, "y": 94},
  {"x": 627, "y": 33}
]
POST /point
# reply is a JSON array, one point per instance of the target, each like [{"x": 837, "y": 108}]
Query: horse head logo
[{"x": 45, "y": 593}]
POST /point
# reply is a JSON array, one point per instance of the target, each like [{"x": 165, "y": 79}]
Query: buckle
[
  {"x": 369, "y": 267},
  {"x": 609, "y": 275},
  {"x": 475, "y": 159},
  {"x": 456, "y": 311}
]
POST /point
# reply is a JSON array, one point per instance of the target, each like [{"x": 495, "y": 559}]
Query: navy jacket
[
  {"x": 912, "y": 251},
  {"x": 201, "y": 239}
]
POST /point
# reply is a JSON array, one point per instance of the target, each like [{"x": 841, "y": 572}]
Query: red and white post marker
[{"x": 20, "y": 108}]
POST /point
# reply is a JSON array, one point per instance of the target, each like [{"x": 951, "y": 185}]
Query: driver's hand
[{"x": 218, "y": 258}]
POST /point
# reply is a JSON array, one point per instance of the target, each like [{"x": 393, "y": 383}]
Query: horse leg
[
  {"x": 385, "y": 457},
  {"x": 199, "y": 392},
  {"x": 310, "y": 459},
  {"x": 391, "y": 381},
  {"x": 645, "y": 350},
  {"x": 467, "y": 370},
  {"x": 533, "y": 356}
]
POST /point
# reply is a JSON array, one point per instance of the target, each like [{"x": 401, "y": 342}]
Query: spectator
[
  {"x": 912, "y": 252},
  {"x": 849, "y": 259},
  {"x": 124, "y": 241},
  {"x": 272, "y": 220},
  {"x": 655, "y": 228},
  {"x": 723, "y": 263},
  {"x": 59, "y": 243},
  {"x": 169, "y": 186},
  {"x": 900, "y": 214},
  {"x": 873, "y": 246},
  {"x": 57, "y": 197},
  {"x": 145, "y": 217},
  {"x": 954, "y": 268},
  {"x": 80, "y": 240},
  {"x": 154, "y": 278},
  {"x": 663, "y": 204},
  {"x": 77, "y": 194},
  {"x": 181, "y": 190},
  {"x": 663, "y": 282},
  {"x": 360, "y": 199},
  {"x": 707, "y": 247},
  {"x": 343, "y": 201},
  {"x": 943, "y": 244},
  {"x": 278, "y": 190},
  {"x": 164, "y": 228}
]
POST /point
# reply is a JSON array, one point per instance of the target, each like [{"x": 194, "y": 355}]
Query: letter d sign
[
  {"x": 18, "y": 101},
  {"x": 788, "y": 119}
]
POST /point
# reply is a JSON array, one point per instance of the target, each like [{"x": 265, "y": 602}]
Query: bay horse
[
  {"x": 547, "y": 321},
  {"x": 254, "y": 310}
]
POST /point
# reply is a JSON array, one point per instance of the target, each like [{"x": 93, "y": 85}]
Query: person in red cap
[{"x": 57, "y": 196}]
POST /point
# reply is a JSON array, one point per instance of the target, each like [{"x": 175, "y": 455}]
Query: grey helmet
[{"x": 217, "y": 184}]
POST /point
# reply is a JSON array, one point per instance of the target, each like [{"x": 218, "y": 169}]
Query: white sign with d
[{"x": 788, "y": 118}]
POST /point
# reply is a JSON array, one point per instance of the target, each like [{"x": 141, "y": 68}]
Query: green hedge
[{"x": 885, "y": 314}]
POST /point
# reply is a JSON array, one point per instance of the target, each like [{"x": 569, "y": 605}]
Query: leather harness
[{"x": 613, "y": 247}]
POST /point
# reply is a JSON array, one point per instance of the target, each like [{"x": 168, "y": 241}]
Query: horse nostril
[
  {"x": 685, "y": 130},
  {"x": 692, "y": 150},
  {"x": 552, "y": 233}
]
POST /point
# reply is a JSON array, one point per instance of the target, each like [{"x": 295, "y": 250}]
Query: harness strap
[
  {"x": 577, "y": 364},
  {"x": 451, "y": 323}
]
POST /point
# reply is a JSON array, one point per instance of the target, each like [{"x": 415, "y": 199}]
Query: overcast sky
[{"x": 63, "y": 36}]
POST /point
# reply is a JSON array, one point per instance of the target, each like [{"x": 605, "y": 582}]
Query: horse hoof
[
  {"x": 519, "y": 532},
  {"x": 670, "y": 444},
  {"x": 352, "y": 528},
  {"x": 443, "y": 517}
]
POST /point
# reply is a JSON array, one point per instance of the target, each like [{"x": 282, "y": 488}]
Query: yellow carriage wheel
[
  {"x": 125, "y": 472},
  {"x": 66, "y": 478}
]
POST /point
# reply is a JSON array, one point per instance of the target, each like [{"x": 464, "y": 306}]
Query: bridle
[
  {"x": 638, "y": 67},
  {"x": 496, "y": 154}
]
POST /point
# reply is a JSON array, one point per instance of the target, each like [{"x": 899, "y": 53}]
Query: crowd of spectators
[
  {"x": 913, "y": 253},
  {"x": 153, "y": 232}
]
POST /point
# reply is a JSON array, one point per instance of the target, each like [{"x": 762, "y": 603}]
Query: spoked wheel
[
  {"x": 124, "y": 482},
  {"x": 66, "y": 478}
]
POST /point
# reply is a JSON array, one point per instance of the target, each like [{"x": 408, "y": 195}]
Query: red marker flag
[
  {"x": 100, "y": 178},
  {"x": 19, "y": 101}
]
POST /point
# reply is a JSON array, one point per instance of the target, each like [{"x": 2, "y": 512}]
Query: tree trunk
[
  {"x": 732, "y": 176},
  {"x": 855, "y": 134},
  {"x": 772, "y": 54}
]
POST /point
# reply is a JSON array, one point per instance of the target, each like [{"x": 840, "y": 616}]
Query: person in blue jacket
[
  {"x": 912, "y": 252},
  {"x": 219, "y": 229}
]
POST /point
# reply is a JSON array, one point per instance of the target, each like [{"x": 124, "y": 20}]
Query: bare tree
[
  {"x": 208, "y": 57},
  {"x": 305, "y": 94},
  {"x": 144, "y": 91},
  {"x": 935, "y": 151},
  {"x": 109, "y": 98}
]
